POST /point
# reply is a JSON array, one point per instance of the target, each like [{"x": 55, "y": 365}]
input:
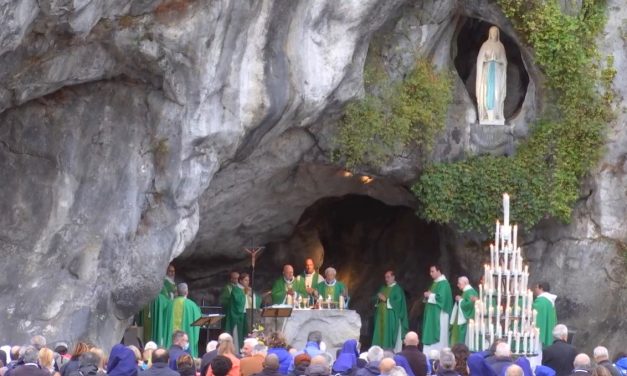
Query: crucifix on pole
[{"x": 253, "y": 252}]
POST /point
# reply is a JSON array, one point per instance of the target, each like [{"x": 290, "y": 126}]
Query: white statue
[{"x": 491, "y": 83}]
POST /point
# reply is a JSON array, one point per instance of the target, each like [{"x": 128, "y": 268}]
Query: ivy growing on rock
[
  {"x": 394, "y": 115},
  {"x": 543, "y": 177}
]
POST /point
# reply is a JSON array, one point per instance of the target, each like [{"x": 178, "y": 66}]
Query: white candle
[
  {"x": 506, "y": 258},
  {"x": 517, "y": 335},
  {"x": 492, "y": 255},
  {"x": 524, "y": 345},
  {"x": 509, "y": 338},
  {"x": 470, "y": 335},
  {"x": 505, "y": 209},
  {"x": 497, "y": 238},
  {"x": 515, "y": 236}
]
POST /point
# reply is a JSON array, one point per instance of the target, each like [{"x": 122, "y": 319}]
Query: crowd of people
[{"x": 277, "y": 358}]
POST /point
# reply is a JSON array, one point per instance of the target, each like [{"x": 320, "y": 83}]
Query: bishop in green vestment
[
  {"x": 435, "y": 320},
  {"x": 331, "y": 287},
  {"x": 180, "y": 315},
  {"x": 546, "y": 319},
  {"x": 390, "y": 321},
  {"x": 286, "y": 286},
  {"x": 463, "y": 311}
]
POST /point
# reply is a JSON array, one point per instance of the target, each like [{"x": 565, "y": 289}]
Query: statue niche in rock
[{"x": 491, "y": 82}]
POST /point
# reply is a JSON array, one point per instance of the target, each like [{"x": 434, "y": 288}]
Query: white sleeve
[{"x": 431, "y": 298}]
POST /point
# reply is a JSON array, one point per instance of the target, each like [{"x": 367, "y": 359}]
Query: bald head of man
[
  {"x": 411, "y": 339},
  {"x": 582, "y": 361},
  {"x": 288, "y": 272},
  {"x": 386, "y": 365}
]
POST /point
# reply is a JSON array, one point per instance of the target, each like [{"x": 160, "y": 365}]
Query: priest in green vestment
[
  {"x": 311, "y": 279},
  {"x": 546, "y": 318},
  {"x": 287, "y": 288},
  {"x": 180, "y": 315},
  {"x": 242, "y": 298},
  {"x": 463, "y": 310},
  {"x": 438, "y": 307},
  {"x": 390, "y": 321},
  {"x": 331, "y": 287},
  {"x": 153, "y": 315}
]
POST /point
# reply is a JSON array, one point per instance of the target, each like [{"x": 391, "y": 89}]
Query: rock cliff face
[{"x": 136, "y": 131}]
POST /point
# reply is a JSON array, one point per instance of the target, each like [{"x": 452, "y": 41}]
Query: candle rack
[{"x": 504, "y": 308}]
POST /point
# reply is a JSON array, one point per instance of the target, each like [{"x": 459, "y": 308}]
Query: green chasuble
[
  {"x": 225, "y": 299},
  {"x": 225, "y": 296},
  {"x": 547, "y": 318},
  {"x": 390, "y": 319},
  {"x": 235, "y": 323},
  {"x": 431, "y": 316},
  {"x": 153, "y": 315},
  {"x": 280, "y": 287},
  {"x": 181, "y": 314},
  {"x": 466, "y": 309},
  {"x": 335, "y": 290}
]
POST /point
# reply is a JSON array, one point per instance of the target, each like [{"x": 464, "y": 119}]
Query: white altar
[{"x": 336, "y": 326}]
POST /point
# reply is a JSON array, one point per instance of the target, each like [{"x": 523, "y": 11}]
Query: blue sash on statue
[{"x": 491, "y": 85}]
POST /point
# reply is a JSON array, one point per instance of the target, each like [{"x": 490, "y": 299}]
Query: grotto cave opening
[{"x": 361, "y": 237}]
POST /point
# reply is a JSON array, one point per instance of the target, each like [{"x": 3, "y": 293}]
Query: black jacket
[
  {"x": 159, "y": 369},
  {"x": 86, "y": 370},
  {"x": 559, "y": 356},
  {"x": 268, "y": 372},
  {"x": 29, "y": 370},
  {"x": 610, "y": 367}
]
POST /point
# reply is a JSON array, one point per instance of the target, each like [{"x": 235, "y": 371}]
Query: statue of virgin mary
[{"x": 491, "y": 83}]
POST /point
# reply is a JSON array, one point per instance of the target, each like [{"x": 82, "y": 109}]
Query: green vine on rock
[
  {"x": 543, "y": 177},
  {"x": 394, "y": 115}
]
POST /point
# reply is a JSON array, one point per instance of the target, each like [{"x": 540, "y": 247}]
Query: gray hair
[
  {"x": 503, "y": 350},
  {"x": 398, "y": 371},
  {"x": 463, "y": 279},
  {"x": 251, "y": 341},
  {"x": 260, "y": 349},
  {"x": 182, "y": 289},
  {"x": 89, "y": 358},
  {"x": 314, "y": 336},
  {"x": 601, "y": 353},
  {"x": 38, "y": 342},
  {"x": 560, "y": 331},
  {"x": 375, "y": 354},
  {"x": 31, "y": 354},
  {"x": 447, "y": 360},
  {"x": 330, "y": 269}
]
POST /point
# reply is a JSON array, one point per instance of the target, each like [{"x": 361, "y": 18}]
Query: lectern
[
  {"x": 276, "y": 312},
  {"x": 207, "y": 320}
]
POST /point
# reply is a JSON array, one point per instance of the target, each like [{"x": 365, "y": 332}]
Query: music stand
[
  {"x": 206, "y": 321},
  {"x": 276, "y": 312}
]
